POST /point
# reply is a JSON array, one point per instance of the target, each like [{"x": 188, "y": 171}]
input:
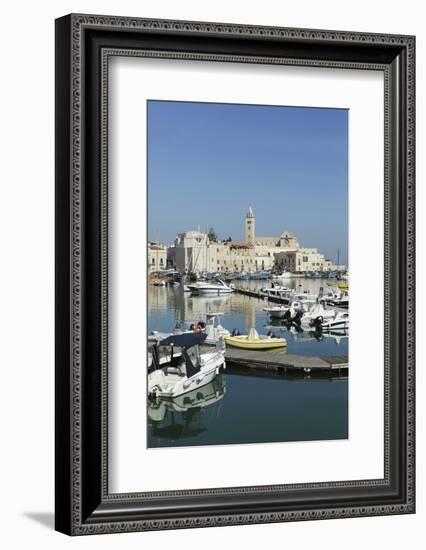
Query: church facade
[{"x": 194, "y": 252}]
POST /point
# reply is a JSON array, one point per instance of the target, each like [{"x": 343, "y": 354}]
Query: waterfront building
[
  {"x": 302, "y": 260},
  {"x": 192, "y": 252},
  {"x": 157, "y": 257},
  {"x": 195, "y": 252}
]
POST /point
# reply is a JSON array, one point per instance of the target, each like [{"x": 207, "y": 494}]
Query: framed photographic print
[{"x": 221, "y": 191}]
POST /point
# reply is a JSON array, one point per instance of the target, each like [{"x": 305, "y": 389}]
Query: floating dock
[
  {"x": 286, "y": 363},
  {"x": 261, "y": 295}
]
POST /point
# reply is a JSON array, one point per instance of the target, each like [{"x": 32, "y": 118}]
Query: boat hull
[
  {"x": 263, "y": 343},
  {"x": 211, "y": 291}
]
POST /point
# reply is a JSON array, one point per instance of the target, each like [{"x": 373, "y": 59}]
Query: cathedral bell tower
[{"x": 250, "y": 226}]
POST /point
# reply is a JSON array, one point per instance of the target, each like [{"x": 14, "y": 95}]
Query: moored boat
[
  {"x": 216, "y": 287},
  {"x": 184, "y": 369},
  {"x": 283, "y": 275},
  {"x": 254, "y": 341}
]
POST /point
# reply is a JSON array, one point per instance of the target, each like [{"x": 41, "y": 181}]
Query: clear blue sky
[{"x": 207, "y": 163}]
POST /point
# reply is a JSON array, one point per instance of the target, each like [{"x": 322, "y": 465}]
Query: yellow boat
[
  {"x": 254, "y": 341},
  {"x": 341, "y": 286}
]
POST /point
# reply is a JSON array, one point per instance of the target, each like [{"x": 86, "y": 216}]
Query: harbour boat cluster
[{"x": 193, "y": 353}]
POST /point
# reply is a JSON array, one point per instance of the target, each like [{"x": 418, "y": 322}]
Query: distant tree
[
  {"x": 212, "y": 235},
  {"x": 229, "y": 240}
]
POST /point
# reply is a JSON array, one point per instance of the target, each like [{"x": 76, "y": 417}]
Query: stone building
[
  {"x": 302, "y": 260},
  {"x": 157, "y": 257}
]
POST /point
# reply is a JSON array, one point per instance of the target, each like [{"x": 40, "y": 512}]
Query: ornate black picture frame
[{"x": 83, "y": 45}]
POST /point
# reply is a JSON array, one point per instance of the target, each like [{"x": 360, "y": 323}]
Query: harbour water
[{"x": 247, "y": 407}]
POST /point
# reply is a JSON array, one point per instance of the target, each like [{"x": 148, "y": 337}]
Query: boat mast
[{"x": 158, "y": 246}]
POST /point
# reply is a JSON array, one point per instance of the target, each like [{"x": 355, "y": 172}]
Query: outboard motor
[
  {"x": 287, "y": 315},
  {"x": 317, "y": 322},
  {"x": 297, "y": 318}
]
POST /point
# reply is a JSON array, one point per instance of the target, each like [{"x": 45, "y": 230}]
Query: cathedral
[
  {"x": 285, "y": 240},
  {"x": 194, "y": 252}
]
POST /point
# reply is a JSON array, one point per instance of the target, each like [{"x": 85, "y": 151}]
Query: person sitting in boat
[{"x": 198, "y": 328}]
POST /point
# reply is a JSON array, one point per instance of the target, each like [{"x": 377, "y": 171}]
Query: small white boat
[
  {"x": 340, "y": 321},
  {"x": 289, "y": 311},
  {"x": 342, "y": 301},
  {"x": 277, "y": 312},
  {"x": 283, "y": 275},
  {"x": 211, "y": 327},
  {"x": 206, "y": 287},
  {"x": 184, "y": 371},
  {"x": 277, "y": 291},
  {"x": 316, "y": 316}
]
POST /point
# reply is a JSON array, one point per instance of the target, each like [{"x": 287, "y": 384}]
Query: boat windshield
[
  {"x": 192, "y": 361},
  {"x": 194, "y": 354},
  {"x": 164, "y": 353}
]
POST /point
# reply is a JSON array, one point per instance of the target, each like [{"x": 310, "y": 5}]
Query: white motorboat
[
  {"x": 316, "y": 316},
  {"x": 211, "y": 327},
  {"x": 283, "y": 275},
  {"x": 342, "y": 301},
  {"x": 306, "y": 297},
  {"x": 277, "y": 312},
  {"x": 340, "y": 321},
  {"x": 206, "y": 287},
  {"x": 290, "y": 310},
  {"x": 184, "y": 368},
  {"x": 277, "y": 291}
]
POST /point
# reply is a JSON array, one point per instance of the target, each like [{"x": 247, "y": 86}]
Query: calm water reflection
[{"x": 241, "y": 408}]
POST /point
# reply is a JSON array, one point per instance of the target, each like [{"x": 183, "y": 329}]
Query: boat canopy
[{"x": 185, "y": 340}]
